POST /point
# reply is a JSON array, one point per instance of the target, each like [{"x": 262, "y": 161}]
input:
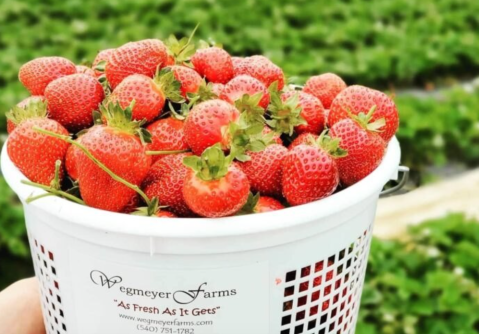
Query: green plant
[
  {"x": 437, "y": 130},
  {"x": 426, "y": 284}
]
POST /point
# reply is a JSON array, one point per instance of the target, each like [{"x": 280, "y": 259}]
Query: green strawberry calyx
[
  {"x": 365, "y": 120},
  {"x": 330, "y": 145},
  {"x": 285, "y": 116},
  {"x": 205, "y": 92},
  {"x": 166, "y": 81},
  {"x": 247, "y": 136},
  {"x": 181, "y": 50},
  {"x": 250, "y": 204},
  {"x": 34, "y": 109},
  {"x": 212, "y": 165},
  {"x": 121, "y": 119},
  {"x": 249, "y": 105}
]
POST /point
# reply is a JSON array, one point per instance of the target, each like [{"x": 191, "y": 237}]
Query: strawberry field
[{"x": 420, "y": 52}]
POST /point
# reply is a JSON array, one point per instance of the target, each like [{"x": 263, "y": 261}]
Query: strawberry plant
[{"x": 426, "y": 284}]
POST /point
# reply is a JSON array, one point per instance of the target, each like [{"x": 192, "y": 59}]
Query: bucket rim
[{"x": 112, "y": 222}]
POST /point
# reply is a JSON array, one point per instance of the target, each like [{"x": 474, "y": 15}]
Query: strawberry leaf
[{"x": 212, "y": 165}]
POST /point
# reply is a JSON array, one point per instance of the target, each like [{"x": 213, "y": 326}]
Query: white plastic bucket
[{"x": 298, "y": 270}]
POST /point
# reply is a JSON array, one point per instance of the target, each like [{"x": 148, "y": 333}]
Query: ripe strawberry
[
  {"x": 217, "y": 88},
  {"x": 189, "y": 79},
  {"x": 325, "y": 87},
  {"x": 21, "y": 112},
  {"x": 310, "y": 172},
  {"x": 165, "y": 181},
  {"x": 118, "y": 148},
  {"x": 267, "y": 204},
  {"x": 149, "y": 94},
  {"x": 263, "y": 69},
  {"x": 141, "y": 57},
  {"x": 312, "y": 112},
  {"x": 237, "y": 63},
  {"x": 167, "y": 135},
  {"x": 304, "y": 138},
  {"x": 72, "y": 99},
  {"x": 264, "y": 170},
  {"x": 102, "y": 57},
  {"x": 38, "y": 73},
  {"x": 208, "y": 123},
  {"x": 70, "y": 163},
  {"x": 85, "y": 70},
  {"x": 359, "y": 99},
  {"x": 258, "y": 204},
  {"x": 245, "y": 84},
  {"x": 365, "y": 148},
  {"x": 33, "y": 153},
  {"x": 214, "y": 187},
  {"x": 213, "y": 63},
  {"x": 165, "y": 214}
]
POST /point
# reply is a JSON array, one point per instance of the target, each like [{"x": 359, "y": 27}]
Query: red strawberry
[
  {"x": 102, "y": 56},
  {"x": 325, "y": 87},
  {"x": 263, "y": 69},
  {"x": 267, "y": 204},
  {"x": 359, "y": 99},
  {"x": 72, "y": 99},
  {"x": 310, "y": 172},
  {"x": 85, "y": 70},
  {"x": 167, "y": 135},
  {"x": 258, "y": 204},
  {"x": 70, "y": 163},
  {"x": 165, "y": 214},
  {"x": 38, "y": 73},
  {"x": 264, "y": 170},
  {"x": 118, "y": 148},
  {"x": 142, "y": 57},
  {"x": 214, "y": 64},
  {"x": 165, "y": 181},
  {"x": 312, "y": 112},
  {"x": 365, "y": 149},
  {"x": 217, "y": 88},
  {"x": 149, "y": 94},
  {"x": 237, "y": 63},
  {"x": 33, "y": 153},
  {"x": 16, "y": 116},
  {"x": 189, "y": 79},
  {"x": 245, "y": 84},
  {"x": 214, "y": 187},
  {"x": 208, "y": 123},
  {"x": 304, "y": 138},
  {"x": 160, "y": 168}
]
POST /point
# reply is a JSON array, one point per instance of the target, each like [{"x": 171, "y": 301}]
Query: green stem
[
  {"x": 34, "y": 198},
  {"x": 97, "y": 162},
  {"x": 166, "y": 152},
  {"x": 52, "y": 191}
]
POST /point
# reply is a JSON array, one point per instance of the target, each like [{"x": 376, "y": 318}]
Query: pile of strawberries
[{"x": 173, "y": 129}]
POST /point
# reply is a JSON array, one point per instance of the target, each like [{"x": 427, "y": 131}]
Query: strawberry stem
[
  {"x": 97, "y": 162},
  {"x": 166, "y": 152},
  {"x": 51, "y": 191}
]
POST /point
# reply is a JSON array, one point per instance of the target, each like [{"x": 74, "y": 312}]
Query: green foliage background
[{"x": 387, "y": 44}]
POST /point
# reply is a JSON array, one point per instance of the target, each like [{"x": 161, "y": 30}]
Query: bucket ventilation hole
[
  {"x": 50, "y": 289},
  {"x": 323, "y": 297}
]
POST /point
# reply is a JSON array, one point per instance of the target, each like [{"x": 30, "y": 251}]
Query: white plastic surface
[{"x": 86, "y": 259}]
